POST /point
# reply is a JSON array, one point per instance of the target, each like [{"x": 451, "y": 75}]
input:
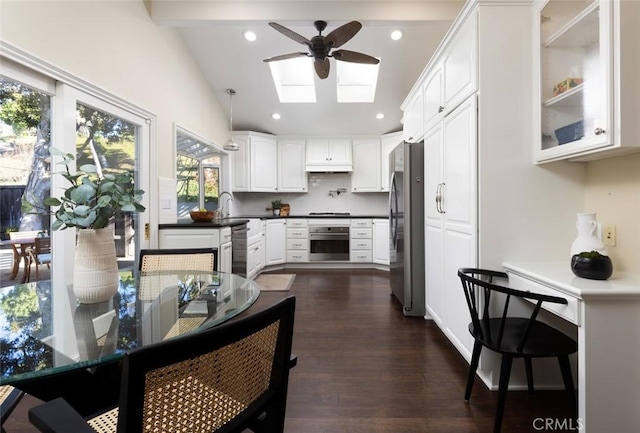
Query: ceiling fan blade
[
  {"x": 291, "y": 34},
  {"x": 354, "y": 57},
  {"x": 285, "y": 57},
  {"x": 342, "y": 34},
  {"x": 322, "y": 68}
]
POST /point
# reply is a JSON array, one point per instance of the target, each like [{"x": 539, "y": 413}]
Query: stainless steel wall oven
[{"x": 328, "y": 243}]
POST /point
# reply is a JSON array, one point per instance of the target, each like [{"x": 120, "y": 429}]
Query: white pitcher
[{"x": 587, "y": 239}]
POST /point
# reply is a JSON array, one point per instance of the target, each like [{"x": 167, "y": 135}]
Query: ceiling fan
[{"x": 322, "y": 47}]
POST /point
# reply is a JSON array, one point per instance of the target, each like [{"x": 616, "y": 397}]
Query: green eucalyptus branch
[{"x": 93, "y": 201}]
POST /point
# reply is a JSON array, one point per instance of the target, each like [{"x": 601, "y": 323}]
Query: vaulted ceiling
[{"x": 213, "y": 32}]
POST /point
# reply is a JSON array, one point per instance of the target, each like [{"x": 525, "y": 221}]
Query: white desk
[{"x": 607, "y": 314}]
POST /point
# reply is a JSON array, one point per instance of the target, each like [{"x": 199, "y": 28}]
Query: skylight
[
  {"x": 356, "y": 82},
  {"x": 294, "y": 79}
]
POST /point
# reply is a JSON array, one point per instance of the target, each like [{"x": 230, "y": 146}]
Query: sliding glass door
[{"x": 114, "y": 140}]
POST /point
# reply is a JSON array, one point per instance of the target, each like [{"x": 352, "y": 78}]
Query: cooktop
[{"x": 329, "y": 213}]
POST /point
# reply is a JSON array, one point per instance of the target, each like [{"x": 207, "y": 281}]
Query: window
[{"x": 197, "y": 173}]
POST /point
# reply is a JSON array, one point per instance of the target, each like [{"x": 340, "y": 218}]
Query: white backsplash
[{"x": 317, "y": 199}]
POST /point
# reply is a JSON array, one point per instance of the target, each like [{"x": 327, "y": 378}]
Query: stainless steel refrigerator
[{"x": 406, "y": 225}]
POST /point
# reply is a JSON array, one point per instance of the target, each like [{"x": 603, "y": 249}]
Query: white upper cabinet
[
  {"x": 433, "y": 100},
  {"x": 459, "y": 65},
  {"x": 329, "y": 154},
  {"x": 255, "y": 163},
  {"x": 292, "y": 176},
  {"x": 366, "y": 165},
  {"x": 240, "y": 164},
  {"x": 588, "y": 87},
  {"x": 388, "y": 143},
  {"x": 263, "y": 160},
  {"x": 413, "y": 118},
  {"x": 265, "y": 164}
]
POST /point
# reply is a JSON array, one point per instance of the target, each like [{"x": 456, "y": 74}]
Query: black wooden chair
[
  {"x": 9, "y": 399},
  {"x": 512, "y": 337},
  {"x": 190, "y": 259},
  {"x": 225, "y": 379}
]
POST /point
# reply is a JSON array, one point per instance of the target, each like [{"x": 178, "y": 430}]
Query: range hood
[{"x": 329, "y": 168}]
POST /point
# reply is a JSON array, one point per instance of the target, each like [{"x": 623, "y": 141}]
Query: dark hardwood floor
[{"x": 365, "y": 368}]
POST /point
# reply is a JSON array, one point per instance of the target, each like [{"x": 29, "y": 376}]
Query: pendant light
[{"x": 230, "y": 144}]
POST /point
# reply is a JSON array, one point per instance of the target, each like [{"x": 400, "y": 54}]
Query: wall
[
  {"x": 613, "y": 192},
  {"x": 317, "y": 199},
  {"x": 115, "y": 46}
]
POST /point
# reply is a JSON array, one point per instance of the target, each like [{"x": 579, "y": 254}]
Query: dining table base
[{"x": 87, "y": 391}]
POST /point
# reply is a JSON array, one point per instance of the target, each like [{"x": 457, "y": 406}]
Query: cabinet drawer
[
  {"x": 297, "y": 244},
  {"x": 361, "y": 223},
  {"x": 361, "y": 244},
  {"x": 297, "y": 233},
  {"x": 296, "y": 223},
  {"x": 361, "y": 256},
  {"x": 361, "y": 233},
  {"x": 570, "y": 312},
  {"x": 297, "y": 256}
]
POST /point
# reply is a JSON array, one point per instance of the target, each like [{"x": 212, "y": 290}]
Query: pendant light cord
[{"x": 231, "y": 92}]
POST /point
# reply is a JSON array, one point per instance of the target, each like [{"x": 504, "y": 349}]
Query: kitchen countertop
[
  {"x": 243, "y": 219},
  {"x": 268, "y": 217},
  {"x": 188, "y": 224}
]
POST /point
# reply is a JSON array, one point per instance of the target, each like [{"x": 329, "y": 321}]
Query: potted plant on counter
[{"x": 275, "y": 206}]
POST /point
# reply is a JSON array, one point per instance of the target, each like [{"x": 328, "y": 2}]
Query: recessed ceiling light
[
  {"x": 379, "y": 116},
  {"x": 396, "y": 35},
  {"x": 275, "y": 116},
  {"x": 250, "y": 35}
]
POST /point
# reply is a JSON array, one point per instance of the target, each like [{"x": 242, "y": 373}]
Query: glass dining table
[{"x": 53, "y": 346}]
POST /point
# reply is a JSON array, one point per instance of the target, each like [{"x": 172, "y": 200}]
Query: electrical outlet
[{"x": 609, "y": 235}]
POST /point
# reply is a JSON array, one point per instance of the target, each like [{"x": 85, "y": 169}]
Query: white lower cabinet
[
  {"x": 225, "y": 257},
  {"x": 380, "y": 241},
  {"x": 255, "y": 256},
  {"x": 276, "y": 242},
  {"x": 192, "y": 238},
  {"x": 297, "y": 240},
  {"x": 360, "y": 240}
]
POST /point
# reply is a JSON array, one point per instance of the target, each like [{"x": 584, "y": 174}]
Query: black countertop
[{"x": 243, "y": 219}]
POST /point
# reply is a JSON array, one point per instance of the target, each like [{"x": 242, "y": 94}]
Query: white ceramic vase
[
  {"x": 95, "y": 271},
  {"x": 587, "y": 239}
]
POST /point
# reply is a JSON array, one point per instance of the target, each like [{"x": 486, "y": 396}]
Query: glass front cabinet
[{"x": 588, "y": 79}]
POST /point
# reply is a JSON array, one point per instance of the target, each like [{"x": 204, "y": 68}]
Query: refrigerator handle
[{"x": 393, "y": 215}]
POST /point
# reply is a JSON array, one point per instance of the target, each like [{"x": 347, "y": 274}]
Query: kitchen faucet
[{"x": 224, "y": 206}]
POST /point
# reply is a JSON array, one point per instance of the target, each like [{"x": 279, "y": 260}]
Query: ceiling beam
[{"x": 188, "y": 13}]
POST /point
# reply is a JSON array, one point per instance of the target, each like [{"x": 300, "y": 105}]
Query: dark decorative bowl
[
  {"x": 202, "y": 217},
  {"x": 599, "y": 268}
]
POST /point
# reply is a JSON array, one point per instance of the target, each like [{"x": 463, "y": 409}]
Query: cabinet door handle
[
  {"x": 598, "y": 131},
  {"x": 439, "y": 196}
]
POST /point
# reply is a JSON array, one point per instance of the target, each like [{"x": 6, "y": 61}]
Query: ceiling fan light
[
  {"x": 250, "y": 36},
  {"x": 231, "y": 145}
]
